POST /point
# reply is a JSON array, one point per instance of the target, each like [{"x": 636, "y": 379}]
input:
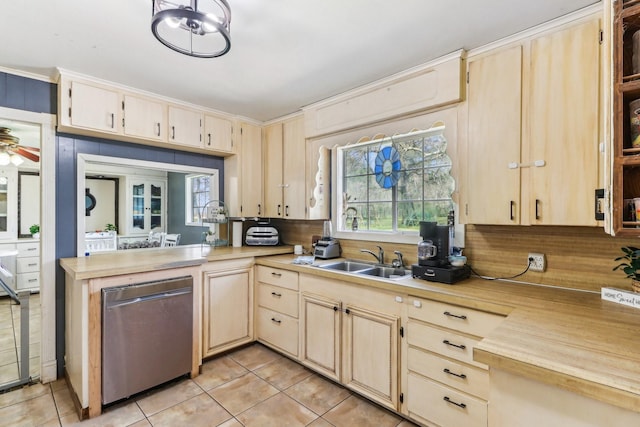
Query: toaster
[{"x": 262, "y": 236}]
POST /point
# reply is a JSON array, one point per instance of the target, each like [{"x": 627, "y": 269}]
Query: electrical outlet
[{"x": 537, "y": 262}]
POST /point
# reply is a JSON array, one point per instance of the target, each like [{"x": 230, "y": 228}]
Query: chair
[
  {"x": 171, "y": 240},
  {"x": 157, "y": 238}
]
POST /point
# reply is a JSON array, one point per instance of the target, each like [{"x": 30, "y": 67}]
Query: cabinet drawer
[
  {"x": 279, "y": 330},
  {"x": 444, "y": 342},
  {"x": 275, "y": 276},
  {"x": 442, "y": 405},
  {"x": 278, "y": 299},
  {"x": 28, "y": 281},
  {"x": 28, "y": 249},
  {"x": 27, "y": 265},
  {"x": 462, "y": 319},
  {"x": 465, "y": 378}
]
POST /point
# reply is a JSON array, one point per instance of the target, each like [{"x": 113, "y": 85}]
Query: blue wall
[{"x": 26, "y": 94}]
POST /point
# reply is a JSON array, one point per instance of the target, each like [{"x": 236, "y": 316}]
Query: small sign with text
[{"x": 621, "y": 296}]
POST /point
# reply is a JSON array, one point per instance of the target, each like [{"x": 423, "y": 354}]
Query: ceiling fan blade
[
  {"x": 27, "y": 154},
  {"x": 26, "y": 147}
]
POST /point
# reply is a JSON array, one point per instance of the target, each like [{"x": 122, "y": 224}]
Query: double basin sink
[{"x": 365, "y": 269}]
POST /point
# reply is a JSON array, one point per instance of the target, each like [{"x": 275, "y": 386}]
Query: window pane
[
  {"x": 380, "y": 216},
  {"x": 438, "y": 184},
  {"x": 437, "y": 211},
  {"x": 377, "y": 193},
  {"x": 409, "y": 215},
  {"x": 410, "y": 185},
  {"x": 355, "y": 161},
  {"x": 356, "y": 189}
]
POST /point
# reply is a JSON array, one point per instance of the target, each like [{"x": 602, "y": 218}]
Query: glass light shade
[
  {"x": 197, "y": 28},
  {"x": 16, "y": 159},
  {"x": 5, "y": 159}
]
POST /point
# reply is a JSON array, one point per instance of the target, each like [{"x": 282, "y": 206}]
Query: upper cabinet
[
  {"x": 243, "y": 177},
  {"x": 626, "y": 118},
  {"x": 185, "y": 126},
  {"x": 144, "y": 118},
  {"x": 284, "y": 170},
  {"x": 533, "y": 141},
  {"x": 98, "y": 109},
  {"x": 92, "y": 107},
  {"x": 218, "y": 134},
  {"x": 146, "y": 204}
]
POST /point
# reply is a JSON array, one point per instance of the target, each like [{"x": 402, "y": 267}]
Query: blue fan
[{"x": 387, "y": 167}]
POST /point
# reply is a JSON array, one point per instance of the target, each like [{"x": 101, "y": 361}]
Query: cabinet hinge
[
  {"x": 601, "y": 36},
  {"x": 401, "y": 397},
  {"x": 402, "y": 331}
]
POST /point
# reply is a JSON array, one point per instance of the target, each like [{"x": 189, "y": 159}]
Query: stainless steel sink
[
  {"x": 386, "y": 272},
  {"x": 348, "y": 266}
]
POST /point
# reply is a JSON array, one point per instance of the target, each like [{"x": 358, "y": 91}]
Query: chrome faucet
[
  {"x": 379, "y": 257},
  {"x": 398, "y": 262}
]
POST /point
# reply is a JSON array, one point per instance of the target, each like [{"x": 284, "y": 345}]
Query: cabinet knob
[
  {"x": 417, "y": 304},
  {"x": 399, "y": 299}
]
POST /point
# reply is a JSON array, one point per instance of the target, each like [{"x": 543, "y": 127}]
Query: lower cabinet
[
  {"x": 277, "y": 309},
  {"x": 350, "y": 334},
  {"x": 227, "y": 305},
  {"x": 442, "y": 383},
  {"x": 28, "y": 266}
]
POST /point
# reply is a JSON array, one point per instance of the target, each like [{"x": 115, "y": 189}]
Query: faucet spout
[{"x": 379, "y": 257}]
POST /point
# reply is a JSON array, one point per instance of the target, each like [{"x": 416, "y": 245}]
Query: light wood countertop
[
  {"x": 143, "y": 260},
  {"x": 566, "y": 338}
]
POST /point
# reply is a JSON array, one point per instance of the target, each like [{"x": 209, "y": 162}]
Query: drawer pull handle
[
  {"x": 460, "y": 346},
  {"x": 274, "y": 320},
  {"x": 447, "y": 371},
  {"x": 276, "y": 274},
  {"x": 33, "y": 264},
  {"x": 275, "y": 294},
  {"x": 31, "y": 249},
  {"x": 32, "y": 280},
  {"x": 459, "y": 405},
  {"x": 461, "y": 317}
]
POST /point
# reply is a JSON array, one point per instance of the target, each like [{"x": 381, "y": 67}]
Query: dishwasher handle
[{"x": 152, "y": 297}]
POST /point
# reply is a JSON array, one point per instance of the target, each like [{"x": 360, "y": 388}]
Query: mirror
[{"x": 136, "y": 198}]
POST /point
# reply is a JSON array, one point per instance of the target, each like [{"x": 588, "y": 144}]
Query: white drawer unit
[
  {"x": 27, "y": 271},
  {"x": 444, "y": 385},
  {"x": 277, "y": 308},
  {"x": 28, "y": 281},
  {"x": 28, "y": 265}
]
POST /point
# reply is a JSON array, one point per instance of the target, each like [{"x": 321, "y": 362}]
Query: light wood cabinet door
[
  {"x": 494, "y": 98},
  {"x": 564, "y": 123},
  {"x": 320, "y": 334},
  {"x": 250, "y": 173},
  {"x": 144, "y": 118},
  {"x": 228, "y": 310},
  {"x": 217, "y": 134},
  {"x": 273, "y": 159},
  {"x": 293, "y": 169},
  {"x": 371, "y": 354},
  {"x": 185, "y": 126},
  {"x": 94, "y": 107}
]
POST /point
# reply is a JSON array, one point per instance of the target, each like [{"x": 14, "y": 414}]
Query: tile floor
[
  {"x": 10, "y": 338},
  {"x": 253, "y": 386}
]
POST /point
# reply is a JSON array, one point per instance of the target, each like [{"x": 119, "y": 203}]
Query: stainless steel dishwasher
[{"x": 147, "y": 335}]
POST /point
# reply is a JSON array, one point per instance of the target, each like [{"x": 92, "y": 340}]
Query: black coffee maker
[
  {"x": 433, "y": 256},
  {"x": 438, "y": 235}
]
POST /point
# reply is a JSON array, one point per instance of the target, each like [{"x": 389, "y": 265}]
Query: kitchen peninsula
[{"x": 87, "y": 276}]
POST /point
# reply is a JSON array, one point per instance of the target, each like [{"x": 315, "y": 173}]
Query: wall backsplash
[{"x": 576, "y": 257}]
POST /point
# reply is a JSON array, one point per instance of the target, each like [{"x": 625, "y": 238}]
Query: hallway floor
[
  {"x": 10, "y": 338},
  {"x": 253, "y": 386}
]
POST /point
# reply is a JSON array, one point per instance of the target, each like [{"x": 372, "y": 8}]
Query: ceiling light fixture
[{"x": 193, "y": 27}]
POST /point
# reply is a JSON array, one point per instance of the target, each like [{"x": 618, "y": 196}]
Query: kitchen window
[
  {"x": 200, "y": 189},
  {"x": 392, "y": 183}
]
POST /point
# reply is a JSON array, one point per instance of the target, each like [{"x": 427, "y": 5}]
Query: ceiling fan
[{"x": 12, "y": 152}]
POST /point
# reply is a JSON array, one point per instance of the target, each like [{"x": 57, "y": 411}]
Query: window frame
[
  {"x": 398, "y": 236},
  {"x": 214, "y": 189}
]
